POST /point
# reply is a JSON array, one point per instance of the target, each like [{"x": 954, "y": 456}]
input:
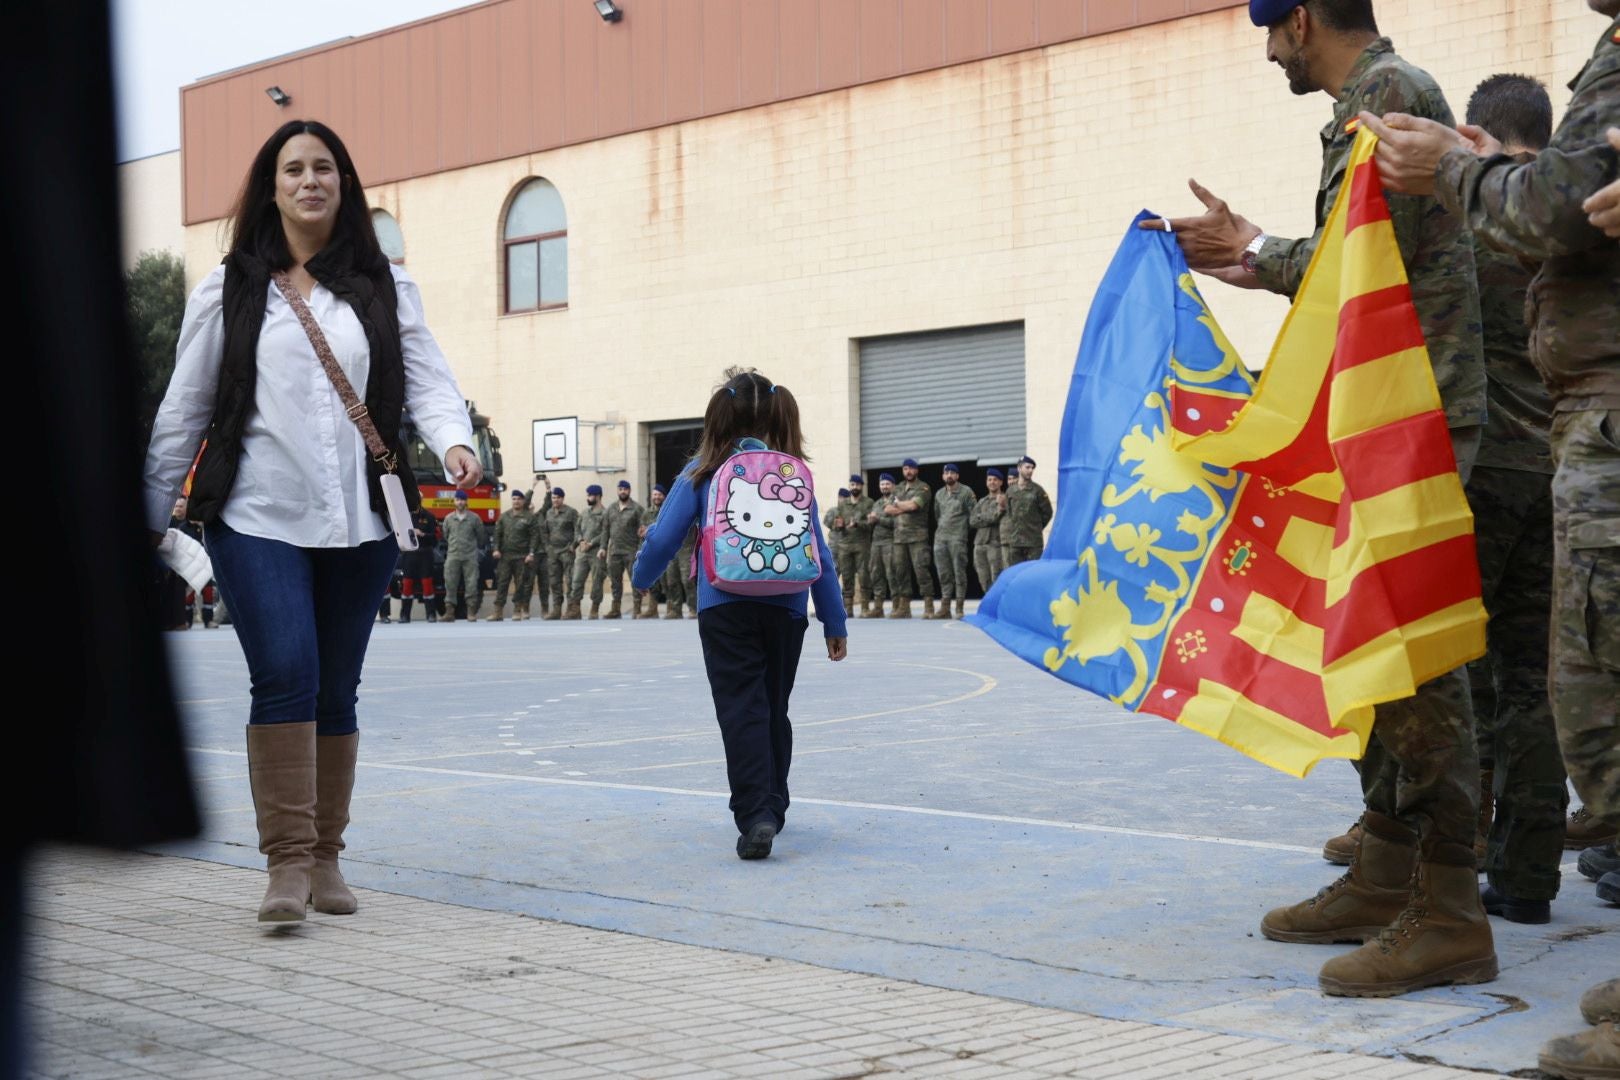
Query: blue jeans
[{"x": 304, "y": 618}]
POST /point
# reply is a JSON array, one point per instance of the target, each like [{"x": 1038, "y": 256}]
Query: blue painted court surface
[{"x": 959, "y": 819}]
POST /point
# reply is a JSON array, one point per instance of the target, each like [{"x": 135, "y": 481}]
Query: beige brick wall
[
  {"x": 982, "y": 193},
  {"x": 149, "y": 203}
]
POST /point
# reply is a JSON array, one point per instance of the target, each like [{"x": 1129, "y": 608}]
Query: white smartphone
[{"x": 399, "y": 512}]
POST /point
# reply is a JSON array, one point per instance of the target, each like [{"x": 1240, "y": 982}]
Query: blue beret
[
  {"x": 885, "y": 476},
  {"x": 462, "y": 495},
  {"x": 1025, "y": 458},
  {"x": 624, "y": 483},
  {"x": 856, "y": 478},
  {"x": 519, "y": 493},
  {"x": 661, "y": 489},
  {"x": 843, "y": 493},
  {"x": 909, "y": 463},
  {"x": 558, "y": 492},
  {"x": 1267, "y": 12},
  {"x": 995, "y": 472},
  {"x": 952, "y": 468},
  {"x": 594, "y": 489}
]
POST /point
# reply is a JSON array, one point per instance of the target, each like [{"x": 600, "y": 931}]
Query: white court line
[{"x": 924, "y": 811}]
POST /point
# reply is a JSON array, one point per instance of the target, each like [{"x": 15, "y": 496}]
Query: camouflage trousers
[
  {"x": 618, "y": 569},
  {"x": 591, "y": 565},
  {"x": 1584, "y": 672},
  {"x": 559, "y": 567},
  {"x": 1013, "y": 554},
  {"x": 951, "y": 556},
  {"x": 988, "y": 563},
  {"x": 877, "y": 568},
  {"x": 1421, "y": 766},
  {"x": 856, "y": 565},
  {"x": 512, "y": 571},
  {"x": 674, "y": 583},
  {"x": 840, "y": 565},
  {"x": 909, "y": 571},
  {"x": 461, "y": 572},
  {"x": 1514, "y": 725}
]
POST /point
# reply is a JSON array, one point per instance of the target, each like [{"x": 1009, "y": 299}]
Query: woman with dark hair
[{"x": 304, "y": 309}]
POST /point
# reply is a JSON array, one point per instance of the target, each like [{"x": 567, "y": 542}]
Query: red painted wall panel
[
  {"x": 1012, "y": 25},
  {"x": 720, "y": 19},
  {"x": 514, "y": 112},
  {"x": 922, "y": 34},
  {"x": 455, "y": 93},
  {"x": 967, "y": 30},
  {"x": 425, "y": 97},
  {"x": 839, "y": 23},
  {"x": 648, "y": 60},
  {"x": 797, "y": 22},
  {"x": 483, "y": 85},
  {"x": 880, "y": 39},
  {"x": 577, "y": 52},
  {"x": 756, "y": 52},
  {"x": 683, "y": 73}
]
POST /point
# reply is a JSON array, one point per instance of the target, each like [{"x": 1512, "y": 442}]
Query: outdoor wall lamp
[
  {"x": 608, "y": 10},
  {"x": 279, "y": 96}
]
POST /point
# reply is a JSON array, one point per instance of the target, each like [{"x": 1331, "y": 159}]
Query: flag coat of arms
[{"x": 1261, "y": 562}]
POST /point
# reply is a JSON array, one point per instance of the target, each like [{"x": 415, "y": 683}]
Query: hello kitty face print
[{"x": 771, "y": 516}]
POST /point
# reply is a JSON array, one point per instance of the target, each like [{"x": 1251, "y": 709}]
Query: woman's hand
[
  {"x": 837, "y": 648},
  {"x": 462, "y": 465}
]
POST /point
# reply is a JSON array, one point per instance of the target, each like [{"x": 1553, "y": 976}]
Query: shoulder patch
[{"x": 1353, "y": 126}]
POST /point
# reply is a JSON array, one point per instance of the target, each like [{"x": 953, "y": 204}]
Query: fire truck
[{"x": 438, "y": 495}]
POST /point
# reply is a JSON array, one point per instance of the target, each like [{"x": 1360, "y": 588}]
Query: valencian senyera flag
[{"x": 1260, "y": 563}]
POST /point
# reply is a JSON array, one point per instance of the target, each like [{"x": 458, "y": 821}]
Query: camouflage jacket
[
  {"x": 835, "y": 535},
  {"x": 623, "y": 521},
  {"x": 1028, "y": 511},
  {"x": 561, "y": 529},
  {"x": 857, "y": 530},
  {"x": 912, "y": 525},
  {"x": 986, "y": 521},
  {"x": 952, "y": 511},
  {"x": 649, "y": 516},
  {"x": 1518, "y": 402},
  {"x": 463, "y": 534},
  {"x": 517, "y": 533},
  {"x": 883, "y": 527},
  {"x": 593, "y": 527},
  {"x": 1434, "y": 245},
  {"x": 1534, "y": 211}
]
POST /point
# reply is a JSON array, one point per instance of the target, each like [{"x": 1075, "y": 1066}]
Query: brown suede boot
[
  {"x": 1590, "y": 1055},
  {"x": 1341, "y": 849},
  {"x": 1602, "y": 1002},
  {"x": 573, "y": 610},
  {"x": 874, "y": 610},
  {"x": 1582, "y": 831},
  {"x": 551, "y": 612},
  {"x": 596, "y": 609},
  {"x": 334, "y": 784},
  {"x": 928, "y": 607},
  {"x": 1443, "y": 936},
  {"x": 1362, "y": 902},
  {"x": 673, "y": 611},
  {"x": 961, "y": 608},
  {"x": 281, "y": 772},
  {"x": 902, "y": 608}
]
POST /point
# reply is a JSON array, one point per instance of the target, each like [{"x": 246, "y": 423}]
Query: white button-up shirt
[{"x": 302, "y": 476}]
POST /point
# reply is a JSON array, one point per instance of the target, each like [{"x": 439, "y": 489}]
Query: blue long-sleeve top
[{"x": 683, "y": 509}]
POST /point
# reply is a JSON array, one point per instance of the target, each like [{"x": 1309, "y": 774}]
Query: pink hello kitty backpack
[{"x": 758, "y": 536}]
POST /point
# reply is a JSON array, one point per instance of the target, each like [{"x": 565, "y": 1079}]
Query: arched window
[
  {"x": 389, "y": 237},
  {"x": 536, "y": 244}
]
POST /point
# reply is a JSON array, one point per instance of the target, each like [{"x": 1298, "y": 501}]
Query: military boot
[
  {"x": 874, "y": 610},
  {"x": 499, "y": 614},
  {"x": 928, "y": 607},
  {"x": 1602, "y": 1002},
  {"x": 1361, "y": 903},
  {"x": 573, "y": 610},
  {"x": 1590, "y": 1055},
  {"x": 961, "y": 608},
  {"x": 596, "y": 609},
  {"x": 941, "y": 612},
  {"x": 1599, "y": 860},
  {"x": 1582, "y": 831},
  {"x": 613, "y": 608},
  {"x": 673, "y": 611},
  {"x": 1341, "y": 849},
  {"x": 902, "y": 608},
  {"x": 432, "y": 610},
  {"x": 551, "y": 611},
  {"x": 1441, "y": 937}
]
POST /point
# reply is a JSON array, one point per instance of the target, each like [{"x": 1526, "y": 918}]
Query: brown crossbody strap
[{"x": 351, "y": 401}]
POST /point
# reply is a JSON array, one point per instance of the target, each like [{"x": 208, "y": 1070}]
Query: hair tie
[
  {"x": 732, "y": 390},
  {"x": 773, "y": 388}
]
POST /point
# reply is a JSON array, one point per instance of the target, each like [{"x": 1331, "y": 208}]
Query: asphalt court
[{"x": 959, "y": 819}]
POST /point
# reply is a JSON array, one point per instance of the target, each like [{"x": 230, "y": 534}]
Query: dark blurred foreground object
[{"x": 102, "y": 759}]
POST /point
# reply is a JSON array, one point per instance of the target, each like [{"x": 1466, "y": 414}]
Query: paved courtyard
[{"x": 984, "y": 873}]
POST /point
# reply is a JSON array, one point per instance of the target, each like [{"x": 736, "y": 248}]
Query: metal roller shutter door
[{"x": 947, "y": 395}]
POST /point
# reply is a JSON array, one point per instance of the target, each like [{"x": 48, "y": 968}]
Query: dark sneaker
[
  {"x": 1597, "y": 861},
  {"x": 756, "y": 843},
  {"x": 1514, "y": 909}
]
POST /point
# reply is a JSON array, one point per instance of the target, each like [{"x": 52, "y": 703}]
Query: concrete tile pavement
[{"x": 152, "y": 965}]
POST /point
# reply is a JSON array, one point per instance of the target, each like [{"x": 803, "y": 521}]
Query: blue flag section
[{"x": 1135, "y": 520}]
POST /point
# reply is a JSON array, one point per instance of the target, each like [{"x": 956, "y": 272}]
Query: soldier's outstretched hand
[
  {"x": 1212, "y": 240},
  {"x": 1410, "y": 149}
]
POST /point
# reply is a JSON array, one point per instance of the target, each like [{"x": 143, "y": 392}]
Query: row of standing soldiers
[
  {"x": 883, "y": 548},
  {"x": 558, "y": 551}
]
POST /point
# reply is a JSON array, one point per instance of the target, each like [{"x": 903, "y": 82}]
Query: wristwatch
[{"x": 1252, "y": 252}]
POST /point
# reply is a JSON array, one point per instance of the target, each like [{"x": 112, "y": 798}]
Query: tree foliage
[{"x": 156, "y": 293}]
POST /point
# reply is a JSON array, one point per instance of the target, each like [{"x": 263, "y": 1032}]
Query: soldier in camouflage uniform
[
  {"x": 1420, "y": 771},
  {"x": 680, "y": 583},
  {"x": 463, "y": 536},
  {"x": 645, "y": 606},
  {"x": 858, "y": 541},
  {"x": 832, "y": 527},
  {"x": 1534, "y": 210},
  {"x": 1510, "y": 492},
  {"x": 986, "y": 522},
  {"x": 1025, "y": 510},
  {"x": 589, "y": 558},
  {"x": 880, "y": 560},
  {"x": 623, "y": 537},
  {"x": 516, "y": 535},
  {"x": 953, "y": 507},
  {"x": 909, "y": 570},
  {"x": 559, "y": 532}
]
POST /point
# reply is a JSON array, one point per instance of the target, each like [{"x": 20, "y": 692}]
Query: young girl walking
[{"x": 751, "y": 642}]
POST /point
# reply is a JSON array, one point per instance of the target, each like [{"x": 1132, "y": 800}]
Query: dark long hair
[
  {"x": 747, "y": 405},
  {"x": 256, "y": 228}
]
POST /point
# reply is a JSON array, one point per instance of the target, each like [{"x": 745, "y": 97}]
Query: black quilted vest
[{"x": 370, "y": 292}]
